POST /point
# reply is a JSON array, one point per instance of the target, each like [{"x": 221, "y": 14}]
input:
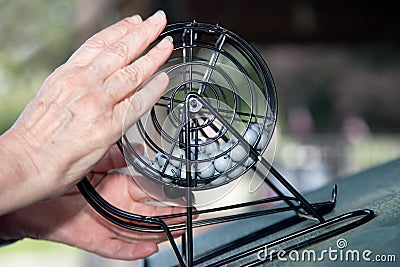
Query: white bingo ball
[
  {"x": 236, "y": 172},
  {"x": 219, "y": 180},
  {"x": 193, "y": 145},
  {"x": 211, "y": 148},
  {"x": 144, "y": 166},
  {"x": 251, "y": 136},
  {"x": 222, "y": 163},
  {"x": 170, "y": 170},
  {"x": 224, "y": 147},
  {"x": 155, "y": 168},
  {"x": 178, "y": 153},
  {"x": 205, "y": 169},
  {"x": 199, "y": 155},
  {"x": 256, "y": 127},
  {"x": 211, "y": 156},
  {"x": 155, "y": 165},
  {"x": 248, "y": 162},
  {"x": 238, "y": 153},
  {"x": 263, "y": 141},
  {"x": 183, "y": 172},
  {"x": 161, "y": 159}
]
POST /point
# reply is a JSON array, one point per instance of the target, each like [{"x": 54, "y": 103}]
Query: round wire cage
[
  {"x": 212, "y": 125},
  {"x": 220, "y": 100}
]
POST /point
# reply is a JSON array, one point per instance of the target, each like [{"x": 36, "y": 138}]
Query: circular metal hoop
[{"x": 220, "y": 90}]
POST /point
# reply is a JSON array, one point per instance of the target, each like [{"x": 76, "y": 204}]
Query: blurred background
[{"x": 336, "y": 65}]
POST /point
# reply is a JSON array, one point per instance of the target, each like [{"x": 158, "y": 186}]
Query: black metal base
[
  {"x": 362, "y": 215},
  {"x": 296, "y": 202},
  {"x": 140, "y": 223}
]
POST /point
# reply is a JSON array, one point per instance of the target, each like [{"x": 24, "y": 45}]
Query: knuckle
[
  {"x": 119, "y": 49},
  {"x": 121, "y": 29},
  {"x": 112, "y": 90},
  {"x": 96, "y": 42},
  {"x": 90, "y": 70},
  {"x": 133, "y": 74},
  {"x": 72, "y": 81},
  {"x": 142, "y": 35},
  {"x": 129, "y": 21}
]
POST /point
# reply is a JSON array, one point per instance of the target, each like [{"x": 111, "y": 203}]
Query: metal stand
[
  {"x": 297, "y": 203},
  {"x": 211, "y": 62},
  {"x": 140, "y": 223}
]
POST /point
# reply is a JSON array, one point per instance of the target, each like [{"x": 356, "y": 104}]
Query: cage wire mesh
[{"x": 215, "y": 78}]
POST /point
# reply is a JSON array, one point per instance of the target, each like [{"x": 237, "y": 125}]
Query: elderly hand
[
  {"x": 70, "y": 220},
  {"x": 81, "y": 110}
]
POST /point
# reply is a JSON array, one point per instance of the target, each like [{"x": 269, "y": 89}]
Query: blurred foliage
[
  {"x": 338, "y": 81},
  {"x": 35, "y": 37}
]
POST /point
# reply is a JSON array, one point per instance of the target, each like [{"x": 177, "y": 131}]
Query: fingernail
[
  {"x": 135, "y": 19},
  {"x": 166, "y": 42},
  {"x": 162, "y": 77},
  {"x": 157, "y": 17}
]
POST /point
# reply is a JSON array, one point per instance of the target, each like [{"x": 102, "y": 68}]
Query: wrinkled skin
[
  {"x": 68, "y": 131},
  {"x": 70, "y": 220}
]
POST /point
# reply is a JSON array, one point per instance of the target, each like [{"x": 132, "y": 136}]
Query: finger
[
  {"x": 130, "y": 236},
  {"x": 105, "y": 38},
  {"x": 117, "y": 249},
  {"x": 114, "y": 158},
  {"x": 140, "y": 251},
  {"x": 126, "y": 80},
  {"x": 124, "y": 51},
  {"x": 137, "y": 194},
  {"x": 131, "y": 198},
  {"x": 140, "y": 204},
  {"x": 131, "y": 109}
]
